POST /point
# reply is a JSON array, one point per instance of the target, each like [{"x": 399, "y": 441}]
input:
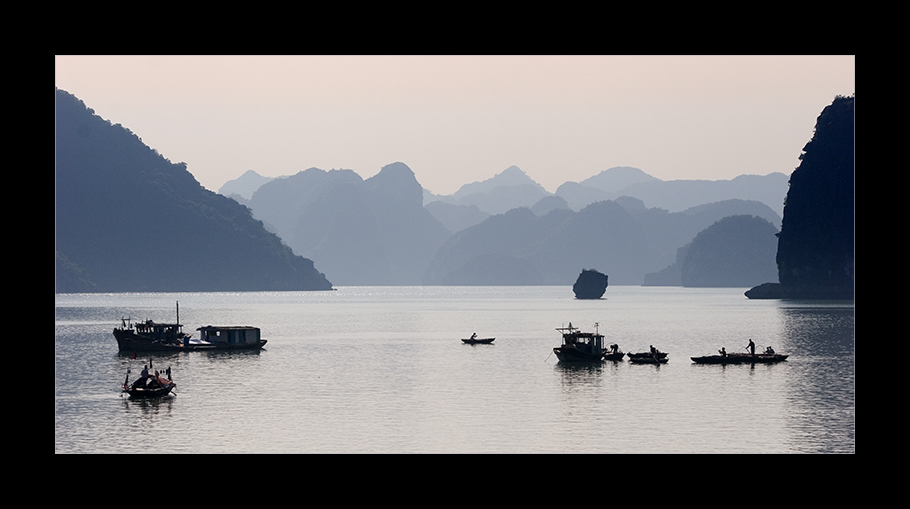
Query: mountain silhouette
[
  {"x": 245, "y": 185},
  {"x": 816, "y": 251},
  {"x": 674, "y": 195},
  {"x": 127, "y": 219},
  {"x": 362, "y": 232},
  {"x": 622, "y": 238},
  {"x": 513, "y": 188},
  {"x": 736, "y": 251},
  {"x": 509, "y": 189}
]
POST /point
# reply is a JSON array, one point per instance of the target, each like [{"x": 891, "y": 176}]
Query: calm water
[{"x": 383, "y": 370}]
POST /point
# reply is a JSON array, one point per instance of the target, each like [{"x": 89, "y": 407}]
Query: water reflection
[
  {"x": 580, "y": 373},
  {"x": 822, "y": 393}
]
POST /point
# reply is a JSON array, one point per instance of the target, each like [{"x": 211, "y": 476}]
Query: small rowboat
[
  {"x": 655, "y": 357},
  {"x": 478, "y": 341}
]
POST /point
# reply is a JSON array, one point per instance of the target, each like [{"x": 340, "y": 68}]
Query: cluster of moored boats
[
  {"x": 578, "y": 346},
  {"x": 151, "y": 337}
]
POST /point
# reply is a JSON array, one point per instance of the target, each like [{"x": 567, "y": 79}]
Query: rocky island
[
  {"x": 816, "y": 244},
  {"x": 590, "y": 284}
]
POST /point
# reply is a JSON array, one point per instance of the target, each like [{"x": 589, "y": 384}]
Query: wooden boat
[
  {"x": 647, "y": 355},
  {"x": 478, "y": 341},
  {"x": 741, "y": 358},
  {"x": 150, "y": 336},
  {"x": 580, "y": 346},
  {"x": 148, "y": 386},
  {"x": 614, "y": 353},
  {"x": 654, "y": 356}
]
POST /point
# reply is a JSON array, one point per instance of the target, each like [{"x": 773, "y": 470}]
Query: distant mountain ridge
[
  {"x": 622, "y": 238},
  {"x": 245, "y": 185},
  {"x": 512, "y": 188},
  {"x": 363, "y": 232},
  {"x": 127, "y": 219}
]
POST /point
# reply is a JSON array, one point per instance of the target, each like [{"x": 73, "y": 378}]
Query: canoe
[{"x": 478, "y": 341}]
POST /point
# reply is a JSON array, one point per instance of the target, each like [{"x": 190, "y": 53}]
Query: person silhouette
[{"x": 751, "y": 347}]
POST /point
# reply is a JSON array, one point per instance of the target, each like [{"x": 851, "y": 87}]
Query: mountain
[
  {"x": 816, "y": 250},
  {"x": 513, "y": 188},
  {"x": 617, "y": 178},
  {"x": 674, "y": 195},
  {"x": 361, "y": 232},
  {"x": 622, "y": 238},
  {"x": 509, "y": 189},
  {"x": 736, "y": 251},
  {"x": 129, "y": 220},
  {"x": 245, "y": 185}
]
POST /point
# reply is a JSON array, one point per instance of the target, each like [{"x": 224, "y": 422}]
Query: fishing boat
[
  {"x": 149, "y": 336},
  {"x": 578, "y": 346},
  {"x": 613, "y": 353},
  {"x": 474, "y": 340},
  {"x": 741, "y": 358},
  {"x": 653, "y": 356},
  {"x": 148, "y": 385}
]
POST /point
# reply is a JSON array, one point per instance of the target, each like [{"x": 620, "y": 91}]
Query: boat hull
[
  {"x": 569, "y": 354},
  {"x": 649, "y": 359},
  {"x": 478, "y": 341},
  {"x": 647, "y": 356},
  {"x": 743, "y": 358},
  {"x": 146, "y": 393},
  {"x": 610, "y": 356}
]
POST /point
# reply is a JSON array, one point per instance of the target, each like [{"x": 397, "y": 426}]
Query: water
[{"x": 383, "y": 370}]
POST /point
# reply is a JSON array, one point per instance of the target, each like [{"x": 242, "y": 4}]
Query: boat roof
[{"x": 149, "y": 323}]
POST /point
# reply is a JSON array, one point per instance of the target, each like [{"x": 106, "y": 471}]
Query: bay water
[{"x": 384, "y": 370}]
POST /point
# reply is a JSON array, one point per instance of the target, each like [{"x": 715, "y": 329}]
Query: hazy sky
[{"x": 460, "y": 119}]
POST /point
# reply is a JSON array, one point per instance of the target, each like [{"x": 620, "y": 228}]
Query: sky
[{"x": 457, "y": 119}]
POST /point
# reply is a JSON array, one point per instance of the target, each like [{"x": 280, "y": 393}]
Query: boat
[
  {"x": 474, "y": 340},
  {"x": 653, "y": 356},
  {"x": 741, "y": 358},
  {"x": 578, "y": 346},
  {"x": 148, "y": 385},
  {"x": 149, "y": 336},
  {"x": 613, "y": 353}
]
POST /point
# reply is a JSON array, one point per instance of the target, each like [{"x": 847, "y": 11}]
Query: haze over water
[{"x": 383, "y": 370}]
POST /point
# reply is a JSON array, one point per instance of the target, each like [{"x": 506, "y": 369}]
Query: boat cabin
[
  {"x": 233, "y": 335},
  {"x": 158, "y": 331},
  {"x": 583, "y": 341}
]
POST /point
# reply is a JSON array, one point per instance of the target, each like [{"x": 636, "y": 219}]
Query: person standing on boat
[{"x": 751, "y": 347}]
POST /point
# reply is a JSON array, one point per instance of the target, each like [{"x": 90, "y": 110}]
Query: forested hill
[{"x": 127, "y": 219}]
